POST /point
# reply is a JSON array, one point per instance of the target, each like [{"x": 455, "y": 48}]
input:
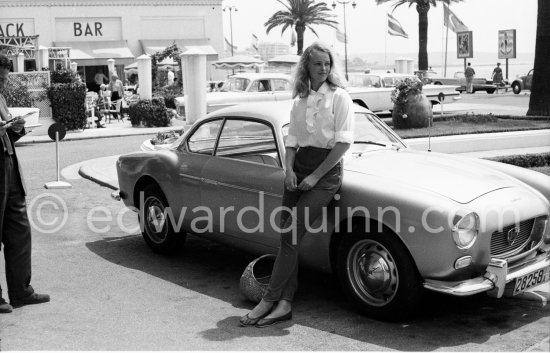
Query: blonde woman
[{"x": 320, "y": 133}]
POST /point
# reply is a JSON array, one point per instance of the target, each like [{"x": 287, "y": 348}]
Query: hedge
[
  {"x": 68, "y": 104},
  {"x": 149, "y": 113},
  {"x": 525, "y": 160}
]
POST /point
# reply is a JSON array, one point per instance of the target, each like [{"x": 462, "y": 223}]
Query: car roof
[
  {"x": 265, "y": 75},
  {"x": 277, "y": 113}
]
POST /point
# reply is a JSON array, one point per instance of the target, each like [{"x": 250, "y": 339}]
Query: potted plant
[
  {"x": 163, "y": 140},
  {"x": 411, "y": 108}
]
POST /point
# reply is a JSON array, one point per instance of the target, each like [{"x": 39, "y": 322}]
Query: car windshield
[
  {"x": 369, "y": 133},
  {"x": 235, "y": 84}
]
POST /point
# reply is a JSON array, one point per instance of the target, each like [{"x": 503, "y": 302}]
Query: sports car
[{"x": 403, "y": 222}]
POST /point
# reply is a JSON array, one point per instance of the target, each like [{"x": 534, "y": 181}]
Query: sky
[{"x": 366, "y": 25}]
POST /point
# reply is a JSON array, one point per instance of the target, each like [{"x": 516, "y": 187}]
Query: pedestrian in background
[
  {"x": 469, "y": 73},
  {"x": 497, "y": 76},
  {"x": 15, "y": 230},
  {"x": 320, "y": 133}
]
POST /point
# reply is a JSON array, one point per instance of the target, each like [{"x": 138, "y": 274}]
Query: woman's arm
[{"x": 290, "y": 176}]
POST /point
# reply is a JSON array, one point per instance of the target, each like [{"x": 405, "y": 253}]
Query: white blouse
[{"x": 322, "y": 119}]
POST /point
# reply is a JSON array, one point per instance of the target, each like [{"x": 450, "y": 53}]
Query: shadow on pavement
[{"x": 214, "y": 270}]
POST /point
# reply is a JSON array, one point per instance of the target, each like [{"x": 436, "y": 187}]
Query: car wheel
[
  {"x": 379, "y": 276},
  {"x": 516, "y": 87},
  {"x": 491, "y": 91},
  {"x": 438, "y": 83},
  {"x": 157, "y": 229}
]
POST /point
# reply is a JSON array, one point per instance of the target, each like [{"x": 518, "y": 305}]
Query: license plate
[{"x": 531, "y": 280}]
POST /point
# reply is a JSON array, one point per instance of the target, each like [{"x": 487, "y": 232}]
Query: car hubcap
[
  {"x": 372, "y": 272},
  {"x": 155, "y": 220}
]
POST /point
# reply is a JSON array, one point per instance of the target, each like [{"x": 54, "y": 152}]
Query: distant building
[
  {"x": 89, "y": 32},
  {"x": 268, "y": 50}
]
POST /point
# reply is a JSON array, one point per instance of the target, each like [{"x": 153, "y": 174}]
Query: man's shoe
[
  {"x": 274, "y": 320},
  {"x": 5, "y": 308},
  {"x": 34, "y": 298}
]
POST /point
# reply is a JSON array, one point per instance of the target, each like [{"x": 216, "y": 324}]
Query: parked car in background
[
  {"x": 523, "y": 82},
  {"x": 245, "y": 88},
  {"x": 373, "y": 91},
  {"x": 458, "y": 79},
  {"x": 404, "y": 221},
  {"x": 377, "y": 80}
]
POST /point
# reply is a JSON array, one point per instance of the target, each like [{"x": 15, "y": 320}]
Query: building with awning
[
  {"x": 98, "y": 52},
  {"x": 91, "y": 32}
]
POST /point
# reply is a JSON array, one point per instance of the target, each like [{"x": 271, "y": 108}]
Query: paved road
[{"x": 110, "y": 292}]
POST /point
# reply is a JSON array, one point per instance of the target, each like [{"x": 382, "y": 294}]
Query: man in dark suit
[{"x": 15, "y": 230}]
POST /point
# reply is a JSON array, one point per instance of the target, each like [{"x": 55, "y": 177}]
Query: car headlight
[{"x": 465, "y": 230}]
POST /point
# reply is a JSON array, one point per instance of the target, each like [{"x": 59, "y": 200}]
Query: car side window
[
  {"x": 203, "y": 139},
  {"x": 280, "y": 85},
  {"x": 249, "y": 141}
]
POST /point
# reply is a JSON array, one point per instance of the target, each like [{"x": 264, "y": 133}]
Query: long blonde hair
[{"x": 301, "y": 77}]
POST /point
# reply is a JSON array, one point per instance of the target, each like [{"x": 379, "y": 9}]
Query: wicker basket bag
[{"x": 256, "y": 276}]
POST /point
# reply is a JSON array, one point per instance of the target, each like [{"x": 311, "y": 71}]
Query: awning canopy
[
  {"x": 97, "y": 52},
  {"x": 238, "y": 61},
  {"x": 152, "y": 46}
]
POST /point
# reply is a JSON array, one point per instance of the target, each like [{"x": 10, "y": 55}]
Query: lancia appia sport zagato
[{"x": 403, "y": 222}]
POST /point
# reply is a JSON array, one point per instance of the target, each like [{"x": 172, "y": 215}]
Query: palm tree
[
  {"x": 422, "y": 7},
  {"x": 298, "y": 15},
  {"x": 539, "y": 102}
]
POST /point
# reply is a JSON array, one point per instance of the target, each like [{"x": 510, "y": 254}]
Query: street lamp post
[
  {"x": 353, "y": 4},
  {"x": 231, "y": 9}
]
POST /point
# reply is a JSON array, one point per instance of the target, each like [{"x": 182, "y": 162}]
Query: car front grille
[{"x": 499, "y": 240}]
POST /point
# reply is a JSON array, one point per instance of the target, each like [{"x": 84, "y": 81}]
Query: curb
[
  {"x": 46, "y": 139},
  {"x": 88, "y": 172}
]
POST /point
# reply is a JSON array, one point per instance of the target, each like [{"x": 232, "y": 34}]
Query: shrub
[
  {"x": 63, "y": 76},
  {"x": 149, "y": 113},
  {"x": 169, "y": 93},
  {"x": 17, "y": 95},
  {"x": 525, "y": 160},
  {"x": 67, "y": 101}
]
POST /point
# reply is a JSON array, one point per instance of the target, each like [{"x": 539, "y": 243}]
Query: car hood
[{"x": 455, "y": 179}]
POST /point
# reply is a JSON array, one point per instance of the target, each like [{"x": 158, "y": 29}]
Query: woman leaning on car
[{"x": 320, "y": 132}]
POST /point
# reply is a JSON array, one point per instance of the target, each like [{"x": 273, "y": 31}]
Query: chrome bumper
[{"x": 493, "y": 281}]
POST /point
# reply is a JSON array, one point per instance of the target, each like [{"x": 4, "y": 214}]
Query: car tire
[
  {"x": 516, "y": 88},
  {"x": 438, "y": 83},
  {"x": 157, "y": 229},
  {"x": 491, "y": 91},
  {"x": 379, "y": 276}
]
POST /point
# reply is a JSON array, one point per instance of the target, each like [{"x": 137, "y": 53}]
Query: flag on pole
[
  {"x": 255, "y": 41},
  {"x": 341, "y": 37},
  {"x": 451, "y": 21},
  {"x": 228, "y": 45},
  {"x": 394, "y": 27}
]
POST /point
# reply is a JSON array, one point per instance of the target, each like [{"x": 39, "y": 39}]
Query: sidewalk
[{"x": 113, "y": 129}]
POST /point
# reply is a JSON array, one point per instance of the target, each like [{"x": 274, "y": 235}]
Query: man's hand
[{"x": 17, "y": 124}]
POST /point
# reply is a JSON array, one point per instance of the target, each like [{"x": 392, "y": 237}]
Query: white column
[
  {"x": 44, "y": 61},
  {"x": 144, "y": 77},
  {"x": 111, "y": 66},
  {"x": 74, "y": 66},
  {"x": 194, "y": 83},
  {"x": 20, "y": 63}
]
